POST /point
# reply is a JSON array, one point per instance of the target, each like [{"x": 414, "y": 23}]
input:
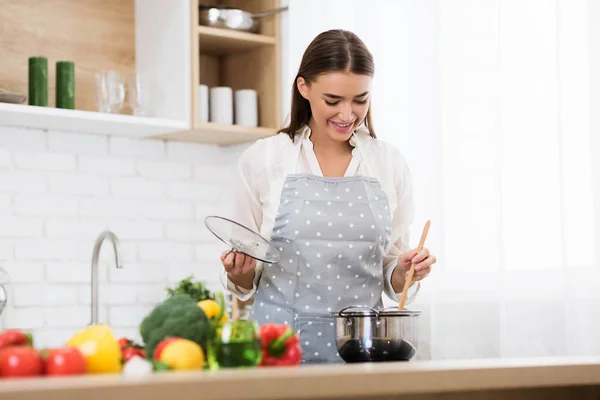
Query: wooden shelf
[
  {"x": 161, "y": 40},
  {"x": 218, "y": 41},
  {"x": 53, "y": 29},
  {"x": 211, "y": 133},
  {"x": 128, "y": 36},
  {"x": 26, "y": 116},
  {"x": 239, "y": 60}
]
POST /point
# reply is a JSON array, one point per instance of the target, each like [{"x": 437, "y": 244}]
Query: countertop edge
[{"x": 417, "y": 377}]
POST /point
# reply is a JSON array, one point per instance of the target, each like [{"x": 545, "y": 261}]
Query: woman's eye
[{"x": 337, "y": 102}]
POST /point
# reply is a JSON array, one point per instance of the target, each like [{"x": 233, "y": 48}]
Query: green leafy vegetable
[{"x": 196, "y": 290}]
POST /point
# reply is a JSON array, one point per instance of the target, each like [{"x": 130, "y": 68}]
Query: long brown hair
[{"x": 331, "y": 51}]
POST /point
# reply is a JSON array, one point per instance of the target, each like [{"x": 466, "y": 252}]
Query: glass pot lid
[
  {"x": 242, "y": 239},
  {"x": 366, "y": 311}
]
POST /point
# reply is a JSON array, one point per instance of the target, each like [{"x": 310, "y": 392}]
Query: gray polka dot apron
[{"x": 331, "y": 233}]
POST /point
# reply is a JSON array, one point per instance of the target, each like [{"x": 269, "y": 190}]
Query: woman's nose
[{"x": 346, "y": 113}]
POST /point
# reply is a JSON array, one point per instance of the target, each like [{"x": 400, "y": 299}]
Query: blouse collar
[{"x": 304, "y": 135}]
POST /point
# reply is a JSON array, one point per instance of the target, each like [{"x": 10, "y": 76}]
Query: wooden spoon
[
  {"x": 411, "y": 272},
  {"x": 235, "y": 309}
]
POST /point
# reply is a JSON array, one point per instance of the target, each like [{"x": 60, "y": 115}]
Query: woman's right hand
[{"x": 240, "y": 268}]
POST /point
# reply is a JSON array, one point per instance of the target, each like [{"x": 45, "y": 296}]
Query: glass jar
[{"x": 235, "y": 344}]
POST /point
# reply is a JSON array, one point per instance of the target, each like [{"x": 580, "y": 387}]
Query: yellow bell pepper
[
  {"x": 100, "y": 349},
  {"x": 211, "y": 308}
]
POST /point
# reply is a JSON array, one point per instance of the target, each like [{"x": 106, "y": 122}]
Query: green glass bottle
[
  {"x": 65, "y": 85},
  {"x": 38, "y": 81}
]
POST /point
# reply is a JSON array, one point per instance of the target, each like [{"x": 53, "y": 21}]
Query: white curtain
[{"x": 491, "y": 102}]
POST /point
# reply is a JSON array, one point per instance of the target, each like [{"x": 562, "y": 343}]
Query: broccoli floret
[{"x": 179, "y": 316}]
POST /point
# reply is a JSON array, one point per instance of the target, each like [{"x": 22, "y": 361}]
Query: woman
[{"x": 335, "y": 201}]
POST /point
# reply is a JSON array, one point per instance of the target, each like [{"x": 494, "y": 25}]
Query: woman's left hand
[{"x": 423, "y": 261}]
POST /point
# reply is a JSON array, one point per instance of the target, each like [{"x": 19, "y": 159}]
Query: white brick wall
[{"x": 58, "y": 191}]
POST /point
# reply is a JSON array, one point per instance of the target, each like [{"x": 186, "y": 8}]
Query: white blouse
[{"x": 264, "y": 166}]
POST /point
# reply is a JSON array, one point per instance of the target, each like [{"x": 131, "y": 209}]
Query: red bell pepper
[
  {"x": 14, "y": 337},
  {"x": 280, "y": 346}
]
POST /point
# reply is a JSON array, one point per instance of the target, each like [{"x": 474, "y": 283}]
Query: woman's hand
[
  {"x": 239, "y": 268},
  {"x": 423, "y": 261}
]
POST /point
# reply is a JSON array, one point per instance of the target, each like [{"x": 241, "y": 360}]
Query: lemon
[
  {"x": 183, "y": 355},
  {"x": 211, "y": 309}
]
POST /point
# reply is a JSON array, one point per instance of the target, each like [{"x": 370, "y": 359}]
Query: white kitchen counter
[{"x": 547, "y": 378}]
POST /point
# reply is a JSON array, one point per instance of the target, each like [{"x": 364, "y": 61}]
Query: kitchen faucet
[{"x": 97, "y": 245}]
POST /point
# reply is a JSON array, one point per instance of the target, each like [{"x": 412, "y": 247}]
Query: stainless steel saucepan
[
  {"x": 366, "y": 335},
  {"x": 233, "y": 18}
]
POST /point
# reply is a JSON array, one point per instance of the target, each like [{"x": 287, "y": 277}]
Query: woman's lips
[{"x": 342, "y": 127}]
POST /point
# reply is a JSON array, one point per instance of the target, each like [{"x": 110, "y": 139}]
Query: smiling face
[{"x": 339, "y": 102}]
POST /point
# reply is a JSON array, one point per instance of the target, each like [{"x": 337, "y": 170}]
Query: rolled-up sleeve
[
  {"x": 247, "y": 210},
  {"x": 402, "y": 218}
]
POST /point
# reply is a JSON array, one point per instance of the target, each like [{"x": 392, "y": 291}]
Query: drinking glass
[
  {"x": 235, "y": 344},
  {"x": 139, "y": 94},
  {"x": 110, "y": 92}
]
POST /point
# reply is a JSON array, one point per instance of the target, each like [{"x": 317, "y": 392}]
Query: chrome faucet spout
[{"x": 114, "y": 240}]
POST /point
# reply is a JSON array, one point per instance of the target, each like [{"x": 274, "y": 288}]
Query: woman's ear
[{"x": 302, "y": 87}]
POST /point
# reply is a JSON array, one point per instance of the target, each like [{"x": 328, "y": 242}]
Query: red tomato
[
  {"x": 65, "y": 361},
  {"x": 124, "y": 342},
  {"x": 14, "y": 337},
  {"x": 20, "y": 361},
  {"x": 129, "y": 352}
]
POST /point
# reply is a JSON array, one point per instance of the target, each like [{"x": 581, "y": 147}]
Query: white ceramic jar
[{"x": 221, "y": 105}]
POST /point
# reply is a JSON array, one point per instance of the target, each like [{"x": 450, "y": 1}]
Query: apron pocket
[{"x": 317, "y": 339}]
